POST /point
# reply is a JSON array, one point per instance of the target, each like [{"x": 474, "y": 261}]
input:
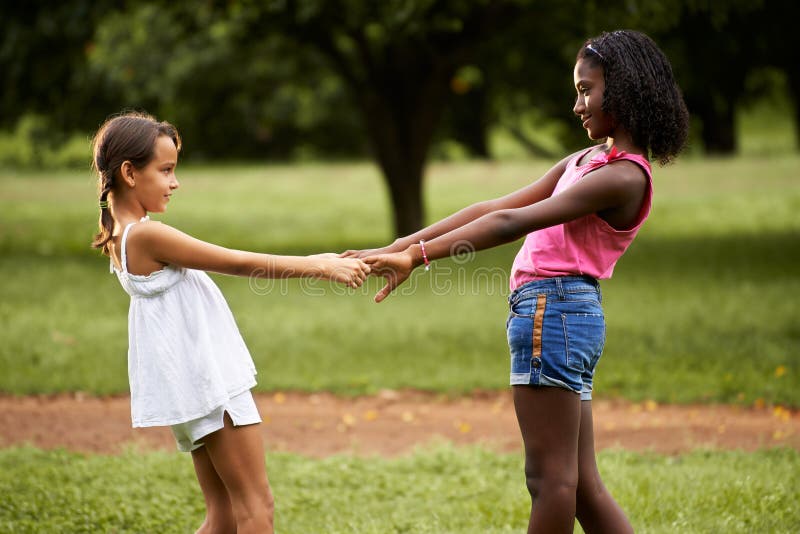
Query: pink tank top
[{"x": 586, "y": 246}]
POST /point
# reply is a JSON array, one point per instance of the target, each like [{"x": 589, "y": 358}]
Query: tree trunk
[
  {"x": 717, "y": 113},
  {"x": 793, "y": 75},
  {"x": 405, "y": 188},
  {"x": 401, "y": 149},
  {"x": 470, "y": 122},
  {"x": 401, "y": 86},
  {"x": 400, "y": 125}
]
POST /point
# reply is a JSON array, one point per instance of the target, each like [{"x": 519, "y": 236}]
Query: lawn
[
  {"x": 701, "y": 308},
  {"x": 437, "y": 491}
]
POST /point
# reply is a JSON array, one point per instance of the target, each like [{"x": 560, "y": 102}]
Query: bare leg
[
  {"x": 549, "y": 419},
  {"x": 597, "y": 511},
  {"x": 237, "y": 454},
  {"x": 219, "y": 514}
]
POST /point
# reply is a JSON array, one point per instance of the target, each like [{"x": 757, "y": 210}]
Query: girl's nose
[
  {"x": 175, "y": 184},
  {"x": 579, "y": 106}
]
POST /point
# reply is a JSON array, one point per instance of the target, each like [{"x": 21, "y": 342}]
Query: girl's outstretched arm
[
  {"x": 155, "y": 244},
  {"x": 607, "y": 188},
  {"x": 530, "y": 194}
]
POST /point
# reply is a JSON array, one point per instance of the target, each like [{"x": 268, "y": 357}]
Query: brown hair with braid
[
  {"x": 127, "y": 137},
  {"x": 641, "y": 93}
]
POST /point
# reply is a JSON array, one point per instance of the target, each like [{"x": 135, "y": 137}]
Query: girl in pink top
[{"x": 578, "y": 219}]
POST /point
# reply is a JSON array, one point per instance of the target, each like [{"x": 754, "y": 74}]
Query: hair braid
[{"x": 105, "y": 184}]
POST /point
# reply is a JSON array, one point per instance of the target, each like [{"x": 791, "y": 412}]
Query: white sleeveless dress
[{"x": 186, "y": 356}]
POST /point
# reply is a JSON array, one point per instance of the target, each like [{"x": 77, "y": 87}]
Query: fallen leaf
[
  {"x": 781, "y": 413},
  {"x": 657, "y": 422},
  {"x": 348, "y": 419},
  {"x": 388, "y": 394}
]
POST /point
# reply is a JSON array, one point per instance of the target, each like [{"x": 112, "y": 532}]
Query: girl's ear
[{"x": 126, "y": 172}]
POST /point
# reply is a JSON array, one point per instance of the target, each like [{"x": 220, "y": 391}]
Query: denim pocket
[
  {"x": 524, "y": 306},
  {"x": 520, "y": 343},
  {"x": 584, "y": 335}
]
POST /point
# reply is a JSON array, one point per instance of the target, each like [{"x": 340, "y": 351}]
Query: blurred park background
[
  {"x": 318, "y": 125},
  {"x": 397, "y": 81}
]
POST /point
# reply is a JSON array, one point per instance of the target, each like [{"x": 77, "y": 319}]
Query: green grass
[
  {"x": 438, "y": 491},
  {"x": 702, "y": 308}
]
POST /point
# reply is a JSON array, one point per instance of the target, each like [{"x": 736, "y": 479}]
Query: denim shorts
[{"x": 556, "y": 332}]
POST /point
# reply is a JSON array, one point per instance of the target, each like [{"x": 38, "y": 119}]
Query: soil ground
[{"x": 395, "y": 422}]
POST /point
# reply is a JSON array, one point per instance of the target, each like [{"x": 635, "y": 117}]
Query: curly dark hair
[{"x": 641, "y": 93}]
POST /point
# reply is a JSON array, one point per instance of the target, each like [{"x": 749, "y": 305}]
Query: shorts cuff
[{"x": 241, "y": 409}]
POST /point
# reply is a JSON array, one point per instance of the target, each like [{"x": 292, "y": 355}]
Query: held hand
[
  {"x": 395, "y": 268},
  {"x": 361, "y": 254},
  {"x": 349, "y": 271}
]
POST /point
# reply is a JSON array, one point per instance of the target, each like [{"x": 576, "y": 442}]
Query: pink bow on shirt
[{"x": 602, "y": 158}]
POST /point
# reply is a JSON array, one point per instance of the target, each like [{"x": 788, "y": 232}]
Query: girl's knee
[
  {"x": 534, "y": 485},
  {"x": 257, "y": 506},
  {"x": 554, "y": 485},
  {"x": 218, "y": 524},
  {"x": 269, "y": 503},
  {"x": 590, "y": 486},
  {"x": 219, "y": 515},
  {"x": 259, "y": 520},
  {"x": 263, "y": 499},
  {"x": 592, "y": 494}
]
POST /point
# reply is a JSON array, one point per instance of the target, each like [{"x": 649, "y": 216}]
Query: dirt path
[{"x": 394, "y": 422}]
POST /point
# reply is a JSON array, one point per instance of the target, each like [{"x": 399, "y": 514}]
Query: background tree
[
  {"x": 233, "y": 92},
  {"x": 43, "y": 49},
  {"x": 521, "y": 82},
  {"x": 714, "y": 48},
  {"x": 714, "y": 55},
  {"x": 398, "y": 59},
  {"x": 347, "y": 78},
  {"x": 770, "y": 28}
]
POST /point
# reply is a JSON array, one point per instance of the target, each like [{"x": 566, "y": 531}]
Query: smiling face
[
  {"x": 590, "y": 85},
  {"x": 155, "y": 182}
]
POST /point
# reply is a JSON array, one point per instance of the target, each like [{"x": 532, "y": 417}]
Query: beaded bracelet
[{"x": 424, "y": 256}]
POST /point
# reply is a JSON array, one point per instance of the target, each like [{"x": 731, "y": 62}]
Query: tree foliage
[
  {"x": 233, "y": 92},
  {"x": 398, "y": 59},
  {"x": 347, "y": 78},
  {"x": 43, "y": 63}
]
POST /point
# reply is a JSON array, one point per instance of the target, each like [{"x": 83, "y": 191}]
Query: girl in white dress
[{"x": 188, "y": 366}]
